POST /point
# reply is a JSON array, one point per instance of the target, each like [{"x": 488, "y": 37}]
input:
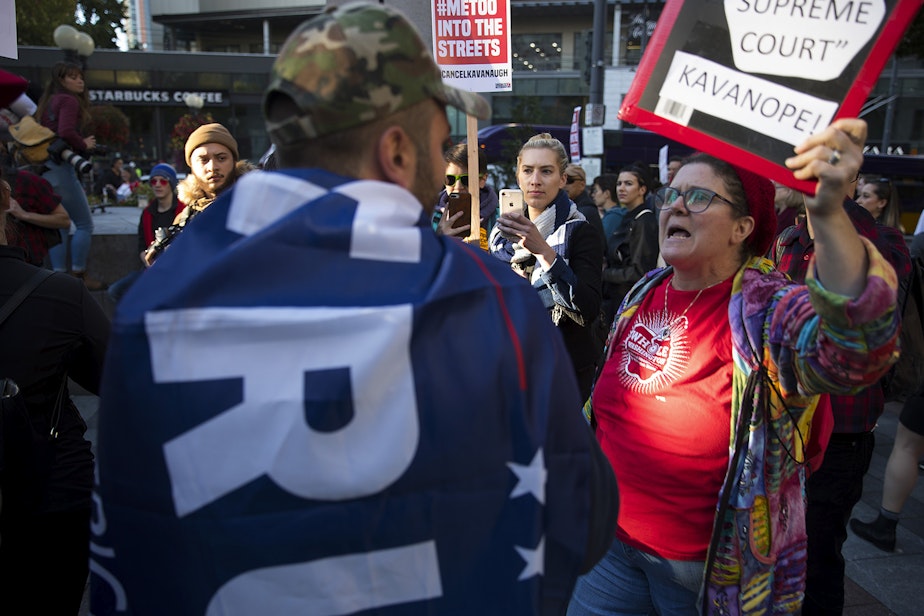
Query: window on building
[
  {"x": 133, "y": 78},
  {"x": 215, "y": 81},
  {"x": 250, "y": 82},
  {"x": 638, "y": 28},
  {"x": 536, "y": 52}
]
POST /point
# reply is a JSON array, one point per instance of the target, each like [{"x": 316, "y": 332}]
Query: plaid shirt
[
  {"x": 791, "y": 253},
  {"x": 34, "y": 194}
]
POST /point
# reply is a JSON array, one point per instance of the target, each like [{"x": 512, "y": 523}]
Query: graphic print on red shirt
[{"x": 663, "y": 407}]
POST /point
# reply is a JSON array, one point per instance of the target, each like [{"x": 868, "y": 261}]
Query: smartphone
[
  {"x": 460, "y": 202},
  {"x": 511, "y": 200}
]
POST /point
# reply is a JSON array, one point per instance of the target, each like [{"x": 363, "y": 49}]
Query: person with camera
[{"x": 64, "y": 109}]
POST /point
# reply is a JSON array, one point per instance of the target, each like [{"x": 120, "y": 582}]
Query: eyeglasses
[
  {"x": 159, "y": 181},
  {"x": 452, "y": 179},
  {"x": 695, "y": 200},
  {"x": 572, "y": 179}
]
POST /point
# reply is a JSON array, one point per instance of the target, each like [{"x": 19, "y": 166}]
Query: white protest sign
[
  {"x": 573, "y": 138},
  {"x": 471, "y": 44},
  {"x": 814, "y": 39},
  {"x": 593, "y": 140},
  {"x": 662, "y": 165},
  {"x": 695, "y": 83},
  {"x": 8, "y": 30},
  {"x": 746, "y": 80}
]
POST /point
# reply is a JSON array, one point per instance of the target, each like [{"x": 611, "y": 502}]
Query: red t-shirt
[{"x": 663, "y": 406}]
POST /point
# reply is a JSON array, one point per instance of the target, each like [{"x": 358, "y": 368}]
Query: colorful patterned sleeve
[{"x": 833, "y": 343}]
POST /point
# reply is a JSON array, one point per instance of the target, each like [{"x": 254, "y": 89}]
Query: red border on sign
[{"x": 896, "y": 22}]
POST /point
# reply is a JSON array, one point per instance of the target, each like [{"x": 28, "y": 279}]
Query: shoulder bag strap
[
  {"x": 9, "y": 307},
  {"x": 23, "y": 292}
]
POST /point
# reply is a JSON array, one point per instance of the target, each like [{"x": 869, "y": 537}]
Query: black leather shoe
[{"x": 880, "y": 532}]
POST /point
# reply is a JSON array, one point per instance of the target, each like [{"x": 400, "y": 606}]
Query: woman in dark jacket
[
  {"x": 632, "y": 250},
  {"x": 59, "y": 331},
  {"x": 554, "y": 247}
]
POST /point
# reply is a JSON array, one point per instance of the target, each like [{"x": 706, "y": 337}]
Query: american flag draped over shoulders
[{"x": 312, "y": 404}]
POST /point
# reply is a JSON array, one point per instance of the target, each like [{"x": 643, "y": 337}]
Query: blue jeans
[
  {"x": 631, "y": 582},
  {"x": 64, "y": 181}
]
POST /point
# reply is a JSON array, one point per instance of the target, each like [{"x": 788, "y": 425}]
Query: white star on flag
[
  {"x": 531, "y": 479},
  {"x": 535, "y": 560}
]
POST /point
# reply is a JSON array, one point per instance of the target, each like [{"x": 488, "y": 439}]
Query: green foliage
[
  {"x": 36, "y": 20},
  {"x": 102, "y": 17},
  {"x": 142, "y": 191},
  {"x": 185, "y": 126}
]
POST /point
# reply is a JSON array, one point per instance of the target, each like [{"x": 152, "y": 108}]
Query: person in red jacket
[{"x": 159, "y": 214}]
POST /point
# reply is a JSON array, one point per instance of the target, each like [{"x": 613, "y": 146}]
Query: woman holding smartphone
[{"x": 551, "y": 244}]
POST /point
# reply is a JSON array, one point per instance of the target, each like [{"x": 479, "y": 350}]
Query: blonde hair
[{"x": 545, "y": 141}]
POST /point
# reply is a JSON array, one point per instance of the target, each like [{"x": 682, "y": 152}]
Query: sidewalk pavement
[
  {"x": 114, "y": 252},
  {"x": 116, "y": 220},
  {"x": 878, "y": 583}
]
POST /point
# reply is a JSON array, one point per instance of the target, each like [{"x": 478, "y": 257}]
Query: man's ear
[{"x": 397, "y": 157}]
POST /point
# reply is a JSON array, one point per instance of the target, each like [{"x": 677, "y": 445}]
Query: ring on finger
[{"x": 835, "y": 157}]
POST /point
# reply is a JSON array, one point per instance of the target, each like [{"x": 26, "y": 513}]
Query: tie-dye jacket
[{"x": 810, "y": 341}]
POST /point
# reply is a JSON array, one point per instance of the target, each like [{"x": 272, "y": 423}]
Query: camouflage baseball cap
[{"x": 354, "y": 64}]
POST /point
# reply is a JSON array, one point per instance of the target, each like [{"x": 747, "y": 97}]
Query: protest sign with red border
[
  {"x": 747, "y": 80},
  {"x": 471, "y": 44},
  {"x": 574, "y": 140}
]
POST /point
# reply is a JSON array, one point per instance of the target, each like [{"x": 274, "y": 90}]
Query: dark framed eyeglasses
[
  {"x": 695, "y": 199},
  {"x": 452, "y": 179}
]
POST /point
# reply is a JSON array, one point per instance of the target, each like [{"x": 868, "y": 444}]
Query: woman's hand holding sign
[{"x": 834, "y": 157}]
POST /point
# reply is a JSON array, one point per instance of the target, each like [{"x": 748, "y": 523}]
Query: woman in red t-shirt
[{"x": 711, "y": 378}]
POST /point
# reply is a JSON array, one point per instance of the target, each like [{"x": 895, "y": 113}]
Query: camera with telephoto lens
[{"x": 60, "y": 152}]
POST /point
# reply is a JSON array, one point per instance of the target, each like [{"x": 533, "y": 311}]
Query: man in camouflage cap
[
  {"x": 372, "y": 418},
  {"x": 344, "y": 75}
]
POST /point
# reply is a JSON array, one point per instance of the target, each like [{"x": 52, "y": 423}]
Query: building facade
[{"x": 223, "y": 50}]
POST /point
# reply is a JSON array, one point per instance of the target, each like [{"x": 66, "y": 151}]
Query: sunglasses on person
[
  {"x": 452, "y": 179},
  {"x": 695, "y": 200},
  {"x": 571, "y": 179},
  {"x": 159, "y": 181}
]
